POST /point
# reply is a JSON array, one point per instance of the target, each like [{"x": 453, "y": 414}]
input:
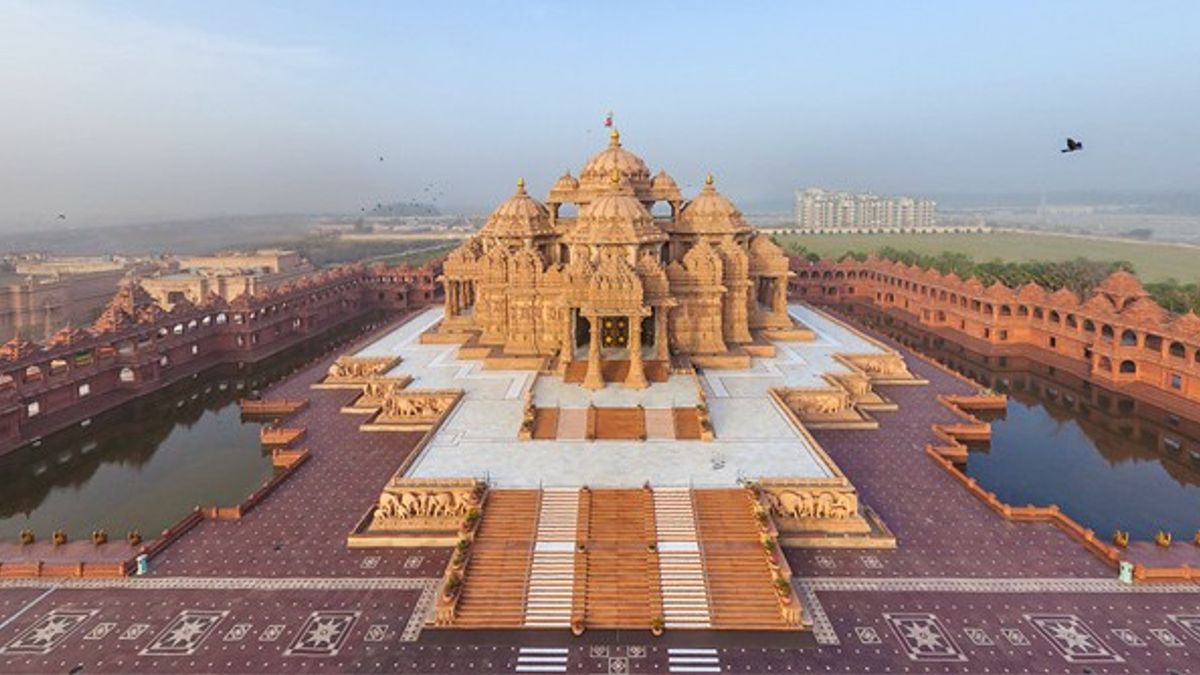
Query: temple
[{"x": 615, "y": 282}]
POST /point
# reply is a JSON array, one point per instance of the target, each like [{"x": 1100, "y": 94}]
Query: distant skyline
[{"x": 125, "y": 111}]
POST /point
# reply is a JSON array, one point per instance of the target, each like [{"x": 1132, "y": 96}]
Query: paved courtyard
[
  {"x": 753, "y": 438},
  {"x": 277, "y": 591}
]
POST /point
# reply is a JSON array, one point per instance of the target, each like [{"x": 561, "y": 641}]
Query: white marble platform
[{"x": 753, "y": 437}]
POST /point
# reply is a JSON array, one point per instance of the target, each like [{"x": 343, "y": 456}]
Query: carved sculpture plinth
[
  {"x": 353, "y": 372},
  {"x": 813, "y": 506},
  {"x": 375, "y": 392},
  {"x": 412, "y": 410},
  {"x": 414, "y": 512},
  {"x": 885, "y": 368}
]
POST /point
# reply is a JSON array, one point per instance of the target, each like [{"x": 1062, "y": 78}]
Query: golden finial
[
  {"x": 521, "y": 184},
  {"x": 614, "y": 137},
  {"x": 709, "y": 180}
]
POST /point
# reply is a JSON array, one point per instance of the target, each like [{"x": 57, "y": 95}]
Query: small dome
[
  {"x": 565, "y": 182},
  {"x": 614, "y": 158},
  {"x": 711, "y": 213},
  {"x": 663, "y": 181},
  {"x": 521, "y": 216}
]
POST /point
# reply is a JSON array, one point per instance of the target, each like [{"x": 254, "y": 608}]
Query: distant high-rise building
[{"x": 823, "y": 210}]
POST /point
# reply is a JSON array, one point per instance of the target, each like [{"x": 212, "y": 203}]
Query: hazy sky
[{"x": 135, "y": 110}]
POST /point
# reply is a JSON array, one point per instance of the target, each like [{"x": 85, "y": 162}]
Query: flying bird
[
  {"x": 381, "y": 158},
  {"x": 1072, "y": 145},
  {"x": 62, "y": 216}
]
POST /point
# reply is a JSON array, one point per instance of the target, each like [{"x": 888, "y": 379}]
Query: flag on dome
[{"x": 608, "y": 119}]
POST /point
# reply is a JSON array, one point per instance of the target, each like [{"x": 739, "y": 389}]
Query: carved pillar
[
  {"x": 661, "y": 345},
  {"x": 781, "y": 294},
  {"x": 594, "y": 379},
  {"x": 451, "y": 297},
  {"x": 636, "y": 379},
  {"x": 567, "y": 347}
]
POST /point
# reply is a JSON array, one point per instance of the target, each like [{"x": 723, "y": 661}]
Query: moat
[
  {"x": 1108, "y": 461},
  {"x": 144, "y": 465}
]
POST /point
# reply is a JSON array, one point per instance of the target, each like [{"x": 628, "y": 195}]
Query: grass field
[{"x": 1153, "y": 261}]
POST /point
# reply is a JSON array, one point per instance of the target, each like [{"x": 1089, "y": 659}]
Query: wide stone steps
[
  {"x": 691, "y": 558},
  {"x": 740, "y": 584},
  {"x": 622, "y": 579},
  {"x": 493, "y": 594}
]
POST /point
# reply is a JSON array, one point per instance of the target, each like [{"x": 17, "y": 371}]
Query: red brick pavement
[
  {"x": 941, "y": 529},
  {"x": 301, "y": 528}
]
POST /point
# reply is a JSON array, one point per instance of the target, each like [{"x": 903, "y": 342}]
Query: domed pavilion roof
[
  {"x": 615, "y": 217},
  {"x": 710, "y": 213},
  {"x": 595, "y": 174},
  {"x": 519, "y": 217}
]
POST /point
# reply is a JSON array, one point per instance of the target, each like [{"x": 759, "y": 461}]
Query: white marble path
[{"x": 753, "y": 437}]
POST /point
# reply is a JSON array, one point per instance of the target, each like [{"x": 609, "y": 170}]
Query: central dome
[
  {"x": 614, "y": 158},
  {"x": 615, "y": 217}
]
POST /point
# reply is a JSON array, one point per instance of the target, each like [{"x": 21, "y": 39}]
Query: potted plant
[
  {"x": 60, "y": 537},
  {"x": 27, "y": 537},
  {"x": 784, "y": 588},
  {"x": 761, "y": 516},
  {"x": 657, "y": 626},
  {"x": 652, "y": 547},
  {"x": 99, "y": 537},
  {"x": 577, "y": 627},
  {"x": 451, "y": 588},
  {"x": 134, "y": 537}
]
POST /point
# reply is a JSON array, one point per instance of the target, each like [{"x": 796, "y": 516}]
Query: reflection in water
[
  {"x": 146, "y": 464},
  {"x": 1108, "y": 461}
]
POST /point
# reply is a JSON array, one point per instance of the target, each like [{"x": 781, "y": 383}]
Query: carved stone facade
[
  {"x": 351, "y": 372},
  {"x": 615, "y": 281},
  {"x": 415, "y": 409},
  {"x": 425, "y": 504},
  {"x": 826, "y": 506}
]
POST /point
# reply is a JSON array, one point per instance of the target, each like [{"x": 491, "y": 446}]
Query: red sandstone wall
[
  {"x": 190, "y": 339},
  {"x": 1119, "y": 336}
]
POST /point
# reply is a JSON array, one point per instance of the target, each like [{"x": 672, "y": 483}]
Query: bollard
[{"x": 1125, "y": 572}]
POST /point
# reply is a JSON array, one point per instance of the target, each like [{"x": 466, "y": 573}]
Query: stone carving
[
  {"x": 812, "y": 503},
  {"x": 879, "y": 366},
  {"x": 410, "y": 503},
  {"x": 378, "y": 389},
  {"x": 408, "y": 409},
  {"x": 807, "y": 506},
  {"x": 358, "y": 369},
  {"x": 811, "y": 402},
  {"x": 415, "y": 406}
]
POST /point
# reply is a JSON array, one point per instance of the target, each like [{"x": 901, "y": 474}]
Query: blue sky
[{"x": 128, "y": 110}]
